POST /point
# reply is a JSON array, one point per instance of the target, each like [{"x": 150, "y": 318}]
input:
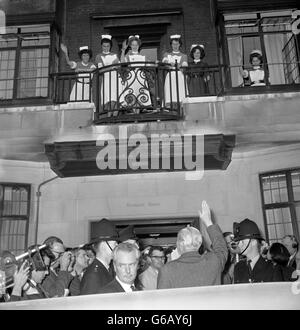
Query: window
[
  {"x": 270, "y": 32},
  {"x": 281, "y": 203},
  {"x": 24, "y": 62},
  {"x": 14, "y": 217}
]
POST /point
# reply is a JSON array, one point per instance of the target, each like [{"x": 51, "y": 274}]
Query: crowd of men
[{"x": 112, "y": 262}]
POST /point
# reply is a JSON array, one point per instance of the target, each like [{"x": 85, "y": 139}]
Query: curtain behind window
[
  {"x": 235, "y": 50},
  {"x": 274, "y": 44}
]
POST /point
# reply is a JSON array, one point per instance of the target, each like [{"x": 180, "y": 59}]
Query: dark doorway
[{"x": 158, "y": 231}]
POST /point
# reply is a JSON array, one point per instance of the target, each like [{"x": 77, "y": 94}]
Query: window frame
[
  {"x": 291, "y": 203},
  {"x": 54, "y": 34},
  {"x": 12, "y": 218},
  {"x": 221, "y": 22}
]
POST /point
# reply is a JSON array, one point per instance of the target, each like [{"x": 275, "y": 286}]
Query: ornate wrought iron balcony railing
[
  {"x": 145, "y": 91},
  {"x": 140, "y": 91}
]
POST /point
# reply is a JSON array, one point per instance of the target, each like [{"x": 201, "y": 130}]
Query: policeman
[
  {"x": 254, "y": 268},
  {"x": 99, "y": 273}
]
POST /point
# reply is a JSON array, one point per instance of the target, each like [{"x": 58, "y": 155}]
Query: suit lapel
[{"x": 118, "y": 286}]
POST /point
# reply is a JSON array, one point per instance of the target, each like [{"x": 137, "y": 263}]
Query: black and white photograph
[{"x": 149, "y": 158}]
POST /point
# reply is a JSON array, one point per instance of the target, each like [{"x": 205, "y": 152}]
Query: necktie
[{"x": 249, "y": 270}]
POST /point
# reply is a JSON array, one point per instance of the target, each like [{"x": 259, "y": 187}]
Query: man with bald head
[{"x": 192, "y": 269}]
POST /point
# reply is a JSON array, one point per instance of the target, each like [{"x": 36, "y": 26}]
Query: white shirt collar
[
  {"x": 125, "y": 286},
  {"x": 103, "y": 263},
  {"x": 254, "y": 261},
  {"x": 197, "y": 61},
  {"x": 32, "y": 290},
  {"x": 54, "y": 271},
  {"x": 293, "y": 255}
]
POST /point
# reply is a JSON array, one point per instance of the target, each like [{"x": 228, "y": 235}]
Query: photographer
[
  {"x": 28, "y": 279},
  {"x": 232, "y": 259},
  {"x": 57, "y": 282},
  {"x": 81, "y": 262}
]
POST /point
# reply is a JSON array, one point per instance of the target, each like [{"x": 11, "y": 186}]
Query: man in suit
[
  {"x": 233, "y": 258},
  {"x": 80, "y": 265},
  {"x": 125, "y": 259},
  {"x": 149, "y": 277},
  {"x": 192, "y": 269},
  {"x": 291, "y": 243},
  {"x": 254, "y": 268},
  {"x": 99, "y": 272}
]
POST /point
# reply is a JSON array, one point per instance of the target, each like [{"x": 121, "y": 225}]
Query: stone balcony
[{"x": 246, "y": 123}]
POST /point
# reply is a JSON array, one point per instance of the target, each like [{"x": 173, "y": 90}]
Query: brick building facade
[
  {"x": 154, "y": 21},
  {"x": 265, "y": 121}
]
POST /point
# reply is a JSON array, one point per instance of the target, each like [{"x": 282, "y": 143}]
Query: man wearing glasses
[{"x": 149, "y": 277}]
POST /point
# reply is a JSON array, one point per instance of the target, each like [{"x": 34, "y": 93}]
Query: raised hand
[
  {"x": 205, "y": 214},
  {"x": 65, "y": 260},
  {"x": 245, "y": 74},
  {"x": 21, "y": 277},
  {"x": 64, "y": 48},
  {"x": 124, "y": 45}
]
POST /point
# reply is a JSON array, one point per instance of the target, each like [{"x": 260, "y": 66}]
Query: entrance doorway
[{"x": 159, "y": 231}]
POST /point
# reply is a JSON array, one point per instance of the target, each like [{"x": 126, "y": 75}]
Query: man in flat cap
[{"x": 99, "y": 273}]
